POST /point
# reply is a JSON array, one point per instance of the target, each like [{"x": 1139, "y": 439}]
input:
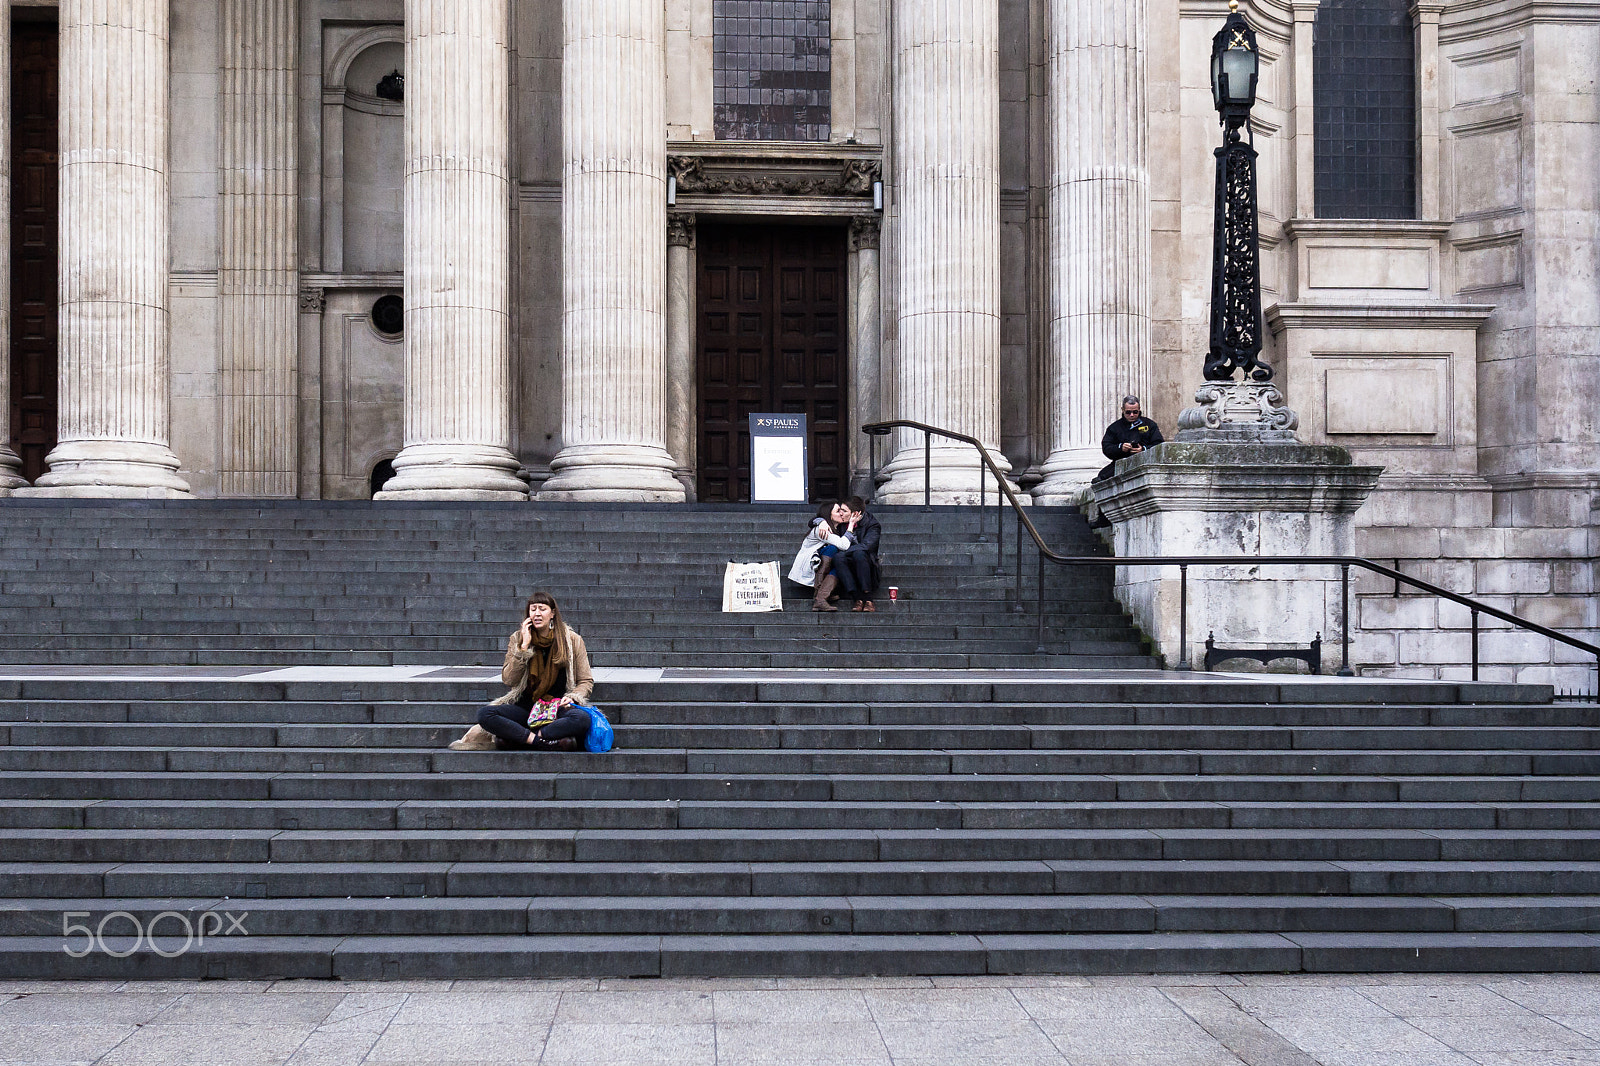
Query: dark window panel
[
  {"x": 1365, "y": 103},
  {"x": 772, "y": 70}
]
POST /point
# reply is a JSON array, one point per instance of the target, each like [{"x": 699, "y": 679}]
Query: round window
[{"x": 389, "y": 316}]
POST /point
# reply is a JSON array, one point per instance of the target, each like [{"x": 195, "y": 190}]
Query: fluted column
[
  {"x": 257, "y": 283},
  {"x": 866, "y": 333},
  {"x": 681, "y": 399},
  {"x": 947, "y": 158},
  {"x": 614, "y": 252},
  {"x": 10, "y": 465},
  {"x": 457, "y": 256},
  {"x": 1098, "y": 348},
  {"x": 115, "y": 218}
]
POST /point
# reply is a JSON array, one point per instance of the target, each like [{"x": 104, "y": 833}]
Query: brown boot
[
  {"x": 819, "y": 602},
  {"x": 475, "y": 739}
]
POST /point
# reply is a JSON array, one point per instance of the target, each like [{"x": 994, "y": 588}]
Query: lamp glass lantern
[{"x": 1235, "y": 68}]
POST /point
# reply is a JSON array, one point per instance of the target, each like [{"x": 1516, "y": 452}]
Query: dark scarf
[{"x": 547, "y": 665}]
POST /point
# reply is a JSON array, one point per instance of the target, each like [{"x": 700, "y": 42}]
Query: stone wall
[{"x": 1548, "y": 576}]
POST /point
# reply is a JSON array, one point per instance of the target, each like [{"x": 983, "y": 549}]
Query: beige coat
[{"x": 580, "y": 679}]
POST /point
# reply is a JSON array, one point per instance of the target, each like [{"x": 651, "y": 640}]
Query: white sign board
[
  {"x": 778, "y": 459},
  {"x": 777, "y": 470}
]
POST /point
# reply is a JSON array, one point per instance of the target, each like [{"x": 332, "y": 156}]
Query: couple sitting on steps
[{"x": 840, "y": 550}]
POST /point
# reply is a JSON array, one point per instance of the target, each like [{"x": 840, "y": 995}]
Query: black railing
[{"x": 1007, "y": 499}]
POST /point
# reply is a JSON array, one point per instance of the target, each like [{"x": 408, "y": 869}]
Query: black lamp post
[{"x": 1236, "y": 247}]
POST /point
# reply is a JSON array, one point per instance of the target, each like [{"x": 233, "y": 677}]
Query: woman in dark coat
[{"x": 857, "y": 566}]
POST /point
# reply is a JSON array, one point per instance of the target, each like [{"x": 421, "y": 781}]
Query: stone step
[
  {"x": 1198, "y": 877},
  {"x": 626, "y": 760},
  {"x": 1113, "y": 720},
  {"x": 712, "y": 814},
  {"x": 791, "y": 845},
  {"x": 819, "y": 915},
  {"x": 642, "y": 732},
  {"x": 860, "y": 788},
  {"x": 396, "y": 958}
]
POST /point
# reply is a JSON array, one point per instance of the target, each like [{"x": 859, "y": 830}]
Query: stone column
[
  {"x": 614, "y": 256},
  {"x": 1305, "y": 132},
  {"x": 114, "y": 232},
  {"x": 947, "y": 157},
  {"x": 457, "y": 255},
  {"x": 257, "y": 280},
  {"x": 1098, "y": 347},
  {"x": 866, "y": 342},
  {"x": 1425, "y": 15},
  {"x": 681, "y": 376},
  {"x": 10, "y": 465}
]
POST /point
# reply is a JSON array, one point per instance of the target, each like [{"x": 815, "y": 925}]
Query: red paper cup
[{"x": 894, "y": 592}]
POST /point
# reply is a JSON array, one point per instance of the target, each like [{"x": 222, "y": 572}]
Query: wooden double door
[
  {"x": 771, "y": 337},
  {"x": 35, "y": 75}
]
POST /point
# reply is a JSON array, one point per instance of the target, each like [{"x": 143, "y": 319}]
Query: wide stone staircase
[
  {"x": 295, "y": 583},
  {"x": 170, "y": 809},
  {"x": 311, "y": 829}
]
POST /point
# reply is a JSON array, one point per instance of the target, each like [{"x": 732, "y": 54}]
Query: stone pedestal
[
  {"x": 1236, "y": 482},
  {"x": 614, "y": 256},
  {"x": 115, "y": 393},
  {"x": 947, "y": 156},
  {"x": 457, "y": 256}
]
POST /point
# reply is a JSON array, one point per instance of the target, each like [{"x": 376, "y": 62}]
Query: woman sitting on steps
[
  {"x": 815, "y": 557},
  {"x": 546, "y": 663}
]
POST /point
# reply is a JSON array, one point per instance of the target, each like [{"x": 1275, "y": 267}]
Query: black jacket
[
  {"x": 866, "y": 536},
  {"x": 1143, "y": 431}
]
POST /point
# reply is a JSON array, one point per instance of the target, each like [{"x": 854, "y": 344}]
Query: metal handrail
[{"x": 1183, "y": 562}]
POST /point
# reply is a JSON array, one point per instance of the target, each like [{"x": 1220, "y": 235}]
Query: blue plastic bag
[{"x": 601, "y": 736}]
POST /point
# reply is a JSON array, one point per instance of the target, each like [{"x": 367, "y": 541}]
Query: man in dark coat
[
  {"x": 1128, "y": 435},
  {"x": 857, "y": 565}
]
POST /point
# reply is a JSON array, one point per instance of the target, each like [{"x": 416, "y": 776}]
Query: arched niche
[{"x": 365, "y": 155}]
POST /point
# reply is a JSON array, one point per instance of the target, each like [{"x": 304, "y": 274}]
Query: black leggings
[
  {"x": 510, "y": 723},
  {"x": 854, "y": 570}
]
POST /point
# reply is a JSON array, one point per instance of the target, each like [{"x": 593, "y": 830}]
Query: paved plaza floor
[{"x": 1350, "y": 1020}]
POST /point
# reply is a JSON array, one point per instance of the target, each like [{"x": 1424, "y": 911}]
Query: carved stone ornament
[
  {"x": 680, "y": 229},
  {"x": 1238, "y": 411},
  {"x": 864, "y": 232},
  {"x": 852, "y": 177},
  {"x": 313, "y": 301}
]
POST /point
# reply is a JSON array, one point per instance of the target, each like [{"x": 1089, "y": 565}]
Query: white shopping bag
[{"x": 751, "y": 587}]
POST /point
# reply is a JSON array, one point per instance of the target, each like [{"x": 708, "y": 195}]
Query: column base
[
  {"x": 10, "y": 471},
  {"x": 613, "y": 473},
  {"x": 1066, "y": 473},
  {"x": 110, "y": 469},
  {"x": 954, "y": 478},
  {"x": 468, "y": 472}
]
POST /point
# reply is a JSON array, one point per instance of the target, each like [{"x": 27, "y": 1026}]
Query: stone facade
[{"x": 1042, "y": 245}]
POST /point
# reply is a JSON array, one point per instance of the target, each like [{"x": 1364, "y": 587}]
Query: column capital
[
  {"x": 313, "y": 301},
  {"x": 680, "y": 229},
  {"x": 1427, "y": 11},
  {"x": 864, "y": 232},
  {"x": 1305, "y": 10}
]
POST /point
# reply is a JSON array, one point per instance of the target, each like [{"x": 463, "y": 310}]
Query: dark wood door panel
[
  {"x": 779, "y": 290},
  {"x": 34, "y": 210}
]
